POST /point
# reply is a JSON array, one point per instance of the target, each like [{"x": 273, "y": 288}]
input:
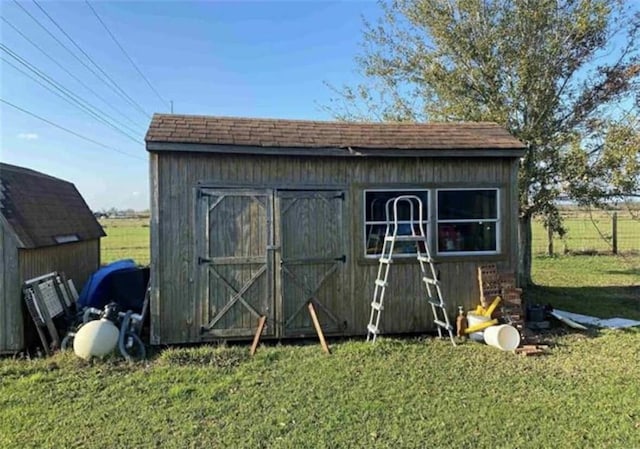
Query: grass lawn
[
  {"x": 601, "y": 285},
  {"x": 127, "y": 238},
  {"x": 399, "y": 393}
]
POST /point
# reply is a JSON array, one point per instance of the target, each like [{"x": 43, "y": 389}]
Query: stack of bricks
[{"x": 494, "y": 283}]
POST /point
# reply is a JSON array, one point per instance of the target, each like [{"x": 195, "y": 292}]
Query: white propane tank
[{"x": 95, "y": 339}]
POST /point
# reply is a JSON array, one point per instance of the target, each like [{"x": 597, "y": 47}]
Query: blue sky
[{"x": 258, "y": 59}]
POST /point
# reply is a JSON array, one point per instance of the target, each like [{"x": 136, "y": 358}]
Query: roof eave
[{"x": 155, "y": 146}]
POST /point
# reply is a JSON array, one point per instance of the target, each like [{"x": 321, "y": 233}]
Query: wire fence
[
  {"x": 127, "y": 238},
  {"x": 591, "y": 232},
  {"x": 587, "y": 232}
]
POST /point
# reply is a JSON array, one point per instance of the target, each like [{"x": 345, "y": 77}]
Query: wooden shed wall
[
  {"x": 11, "y": 325},
  {"x": 76, "y": 260},
  {"x": 174, "y": 177}
]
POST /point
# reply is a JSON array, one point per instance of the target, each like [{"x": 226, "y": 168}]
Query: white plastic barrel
[
  {"x": 504, "y": 337},
  {"x": 95, "y": 339}
]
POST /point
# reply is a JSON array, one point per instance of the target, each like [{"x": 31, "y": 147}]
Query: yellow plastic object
[
  {"x": 493, "y": 306},
  {"x": 479, "y": 310},
  {"x": 480, "y": 326}
]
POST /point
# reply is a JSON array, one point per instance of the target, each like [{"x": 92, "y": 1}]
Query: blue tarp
[{"x": 97, "y": 292}]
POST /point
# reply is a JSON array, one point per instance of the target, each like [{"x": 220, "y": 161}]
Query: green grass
[
  {"x": 127, "y": 238},
  {"x": 399, "y": 393},
  {"x": 600, "y": 285}
]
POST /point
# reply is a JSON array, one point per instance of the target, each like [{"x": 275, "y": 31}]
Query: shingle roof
[
  {"x": 252, "y": 132},
  {"x": 39, "y": 207}
]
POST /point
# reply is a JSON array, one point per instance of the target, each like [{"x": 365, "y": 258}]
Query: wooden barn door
[
  {"x": 312, "y": 260},
  {"x": 235, "y": 261}
]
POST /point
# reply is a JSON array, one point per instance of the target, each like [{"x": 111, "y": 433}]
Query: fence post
[
  {"x": 550, "y": 237},
  {"x": 614, "y": 233}
]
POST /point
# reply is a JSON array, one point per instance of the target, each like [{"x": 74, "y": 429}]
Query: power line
[
  {"x": 135, "y": 66},
  {"x": 72, "y": 75},
  {"x": 88, "y": 139},
  {"x": 133, "y": 102},
  {"x": 54, "y": 37},
  {"x": 75, "y": 99},
  {"x": 72, "y": 101}
]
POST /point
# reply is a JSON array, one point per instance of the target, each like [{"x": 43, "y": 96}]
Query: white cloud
[
  {"x": 28, "y": 136},
  {"x": 135, "y": 193}
]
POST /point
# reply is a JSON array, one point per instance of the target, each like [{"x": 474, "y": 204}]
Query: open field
[
  {"x": 399, "y": 393},
  {"x": 590, "y": 232},
  {"x": 127, "y": 238}
]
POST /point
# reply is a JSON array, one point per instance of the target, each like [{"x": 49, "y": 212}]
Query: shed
[
  {"x": 258, "y": 216},
  {"x": 45, "y": 226}
]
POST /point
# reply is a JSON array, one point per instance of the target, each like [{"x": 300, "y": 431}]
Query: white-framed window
[
  {"x": 468, "y": 221},
  {"x": 375, "y": 220}
]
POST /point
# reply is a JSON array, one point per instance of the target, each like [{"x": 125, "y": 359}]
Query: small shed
[
  {"x": 256, "y": 217},
  {"x": 45, "y": 226}
]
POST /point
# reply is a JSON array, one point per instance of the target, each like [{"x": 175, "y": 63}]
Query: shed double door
[{"x": 270, "y": 252}]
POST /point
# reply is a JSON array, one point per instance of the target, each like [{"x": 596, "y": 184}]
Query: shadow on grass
[
  {"x": 602, "y": 302},
  {"x": 629, "y": 272}
]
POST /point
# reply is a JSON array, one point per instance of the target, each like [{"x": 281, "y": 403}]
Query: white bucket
[
  {"x": 472, "y": 320},
  {"x": 504, "y": 337}
]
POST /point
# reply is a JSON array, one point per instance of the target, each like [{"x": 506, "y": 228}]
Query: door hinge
[
  {"x": 203, "y": 260},
  {"x": 340, "y": 196},
  {"x": 342, "y": 258}
]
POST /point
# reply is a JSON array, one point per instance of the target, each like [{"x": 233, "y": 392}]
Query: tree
[{"x": 553, "y": 72}]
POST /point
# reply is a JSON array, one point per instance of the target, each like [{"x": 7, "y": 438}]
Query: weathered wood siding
[
  {"x": 174, "y": 177},
  {"x": 76, "y": 260},
  {"x": 11, "y": 327}
]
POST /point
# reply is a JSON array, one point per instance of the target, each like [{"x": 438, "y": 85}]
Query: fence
[
  {"x": 587, "y": 232},
  {"x": 595, "y": 232},
  {"x": 127, "y": 238}
]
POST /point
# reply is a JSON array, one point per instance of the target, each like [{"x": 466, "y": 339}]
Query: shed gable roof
[
  {"x": 301, "y": 134},
  {"x": 40, "y": 208}
]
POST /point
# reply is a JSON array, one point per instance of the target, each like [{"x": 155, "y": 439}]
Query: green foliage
[{"x": 547, "y": 70}]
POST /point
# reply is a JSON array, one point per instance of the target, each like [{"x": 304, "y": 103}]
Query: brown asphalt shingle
[
  {"x": 39, "y": 207},
  {"x": 316, "y": 134}
]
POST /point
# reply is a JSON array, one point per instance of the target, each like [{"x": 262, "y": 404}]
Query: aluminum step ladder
[{"x": 428, "y": 272}]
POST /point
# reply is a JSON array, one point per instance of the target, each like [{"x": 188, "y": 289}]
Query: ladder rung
[
  {"x": 372, "y": 329},
  {"x": 425, "y": 259},
  {"x": 443, "y": 324},
  {"x": 381, "y": 283},
  {"x": 376, "y": 306},
  {"x": 430, "y": 281},
  {"x": 405, "y": 238},
  {"x": 385, "y": 260},
  {"x": 436, "y": 303}
]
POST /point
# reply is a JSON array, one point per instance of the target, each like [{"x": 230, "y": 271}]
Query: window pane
[
  {"x": 375, "y": 239},
  {"x": 477, "y": 236},
  {"x": 375, "y": 202},
  {"x": 467, "y": 204}
]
